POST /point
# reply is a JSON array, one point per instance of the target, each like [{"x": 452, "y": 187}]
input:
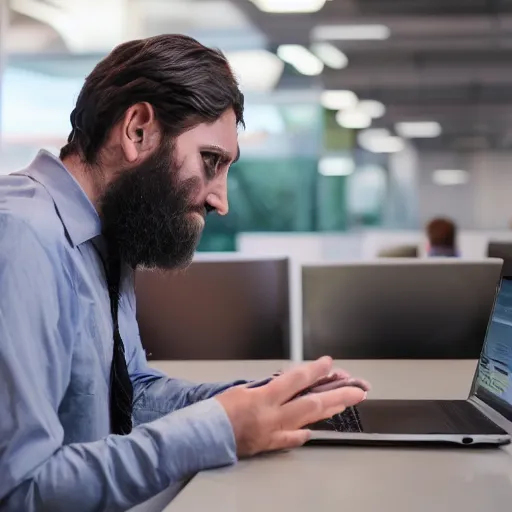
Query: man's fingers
[
  {"x": 286, "y": 386},
  {"x": 314, "y": 407},
  {"x": 338, "y": 373},
  {"x": 288, "y": 439},
  {"x": 329, "y": 378},
  {"x": 322, "y": 387}
]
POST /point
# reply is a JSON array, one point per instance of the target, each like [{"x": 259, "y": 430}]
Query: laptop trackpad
[{"x": 407, "y": 417}]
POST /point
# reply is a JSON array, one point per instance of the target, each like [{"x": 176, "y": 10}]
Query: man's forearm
[
  {"x": 156, "y": 395},
  {"x": 120, "y": 472}
]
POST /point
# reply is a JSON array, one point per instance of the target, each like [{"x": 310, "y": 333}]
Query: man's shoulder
[{"x": 27, "y": 211}]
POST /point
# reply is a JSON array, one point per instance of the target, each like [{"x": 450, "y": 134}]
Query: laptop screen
[{"x": 493, "y": 380}]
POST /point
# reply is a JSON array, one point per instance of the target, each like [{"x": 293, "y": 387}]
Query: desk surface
[{"x": 362, "y": 479}]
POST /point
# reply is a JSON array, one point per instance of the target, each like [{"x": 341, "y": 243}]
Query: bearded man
[{"x": 85, "y": 424}]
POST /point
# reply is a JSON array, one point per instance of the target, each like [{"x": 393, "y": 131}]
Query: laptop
[
  {"x": 485, "y": 418},
  {"x": 397, "y": 309}
]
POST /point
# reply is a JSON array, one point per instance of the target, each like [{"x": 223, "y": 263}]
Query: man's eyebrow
[{"x": 225, "y": 155}]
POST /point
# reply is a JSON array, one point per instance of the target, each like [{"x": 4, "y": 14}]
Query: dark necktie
[{"x": 121, "y": 389}]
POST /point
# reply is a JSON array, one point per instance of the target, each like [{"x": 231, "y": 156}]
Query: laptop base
[
  {"x": 387, "y": 440},
  {"x": 392, "y": 422}
]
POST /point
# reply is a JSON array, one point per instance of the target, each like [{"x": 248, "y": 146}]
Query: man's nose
[{"x": 219, "y": 200}]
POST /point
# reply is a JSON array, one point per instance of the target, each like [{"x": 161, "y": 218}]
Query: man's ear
[{"x": 140, "y": 132}]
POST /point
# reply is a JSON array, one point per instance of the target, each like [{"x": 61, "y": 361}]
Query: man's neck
[{"x": 91, "y": 179}]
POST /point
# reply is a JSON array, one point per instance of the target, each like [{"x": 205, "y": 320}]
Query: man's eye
[{"x": 211, "y": 162}]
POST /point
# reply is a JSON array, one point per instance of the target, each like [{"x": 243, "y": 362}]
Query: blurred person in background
[
  {"x": 85, "y": 423},
  {"x": 442, "y": 238}
]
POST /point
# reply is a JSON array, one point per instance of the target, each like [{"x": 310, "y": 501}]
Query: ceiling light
[
  {"x": 391, "y": 144},
  {"x": 373, "y": 108},
  {"x": 338, "y": 100},
  {"x": 330, "y": 55},
  {"x": 446, "y": 177},
  {"x": 78, "y": 23},
  {"x": 350, "y": 32},
  {"x": 419, "y": 129},
  {"x": 301, "y": 59},
  {"x": 366, "y": 138},
  {"x": 289, "y": 6},
  {"x": 256, "y": 70},
  {"x": 353, "y": 119},
  {"x": 336, "y": 166},
  {"x": 379, "y": 140}
]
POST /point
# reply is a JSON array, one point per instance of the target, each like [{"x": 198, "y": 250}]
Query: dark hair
[
  {"x": 185, "y": 82},
  {"x": 441, "y": 233}
]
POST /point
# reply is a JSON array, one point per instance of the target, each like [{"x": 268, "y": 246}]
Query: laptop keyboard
[{"x": 347, "y": 421}]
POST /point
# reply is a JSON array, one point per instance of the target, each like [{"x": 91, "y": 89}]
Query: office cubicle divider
[
  {"x": 230, "y": 306},
  {"x": 222, "y": 307},
  {"x": 398, "y": 309},
  {"x": 502, "y": 250},
  {"x": 357, "y": 245}
]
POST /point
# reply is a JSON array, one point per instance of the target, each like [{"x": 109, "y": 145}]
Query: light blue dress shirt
[{"x": 56, "y": 450}]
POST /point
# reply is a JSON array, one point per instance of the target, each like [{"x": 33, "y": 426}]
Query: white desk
[{"x": 361, "y": 479}]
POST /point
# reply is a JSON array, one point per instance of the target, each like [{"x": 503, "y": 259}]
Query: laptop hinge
[{"x": 491, "y": 413}]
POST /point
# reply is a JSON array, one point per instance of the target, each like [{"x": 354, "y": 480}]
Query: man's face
[{"x": 154, "y": 212}]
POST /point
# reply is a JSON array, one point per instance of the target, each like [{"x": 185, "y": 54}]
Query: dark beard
[{"x": 145, "y": 214}]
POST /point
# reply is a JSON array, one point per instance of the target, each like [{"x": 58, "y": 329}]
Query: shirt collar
[{"x": 77, "y": 213}]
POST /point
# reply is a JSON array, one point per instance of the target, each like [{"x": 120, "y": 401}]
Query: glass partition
[{"x": 277, "y": 186}]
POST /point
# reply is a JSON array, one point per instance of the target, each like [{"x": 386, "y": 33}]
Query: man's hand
[
  {"x": 271, "y": 417},
  {"x": 337, "y": 379}
]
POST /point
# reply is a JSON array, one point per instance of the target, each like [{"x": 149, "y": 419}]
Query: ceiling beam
[{"x": 395, "y": 75}]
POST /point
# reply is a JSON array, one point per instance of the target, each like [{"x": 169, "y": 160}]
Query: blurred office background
[{"x": 362, "y": 115}]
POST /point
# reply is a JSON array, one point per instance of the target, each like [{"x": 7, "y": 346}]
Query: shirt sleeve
[
  {"x": 155, "y": 394},
  {"x": 40, "y": 473}
]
